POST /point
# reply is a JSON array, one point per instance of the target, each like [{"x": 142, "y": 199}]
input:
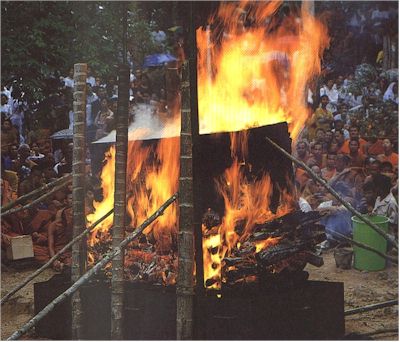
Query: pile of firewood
[
  {"x": 142, "y": 262},
  {"x": 290, "y": 244}
]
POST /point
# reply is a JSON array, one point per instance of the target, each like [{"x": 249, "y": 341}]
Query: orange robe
[
  {"x": 62, "y": 226},
  {"x": 393, "y": 159}
]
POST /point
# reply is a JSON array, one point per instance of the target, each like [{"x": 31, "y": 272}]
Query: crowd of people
[
  {"x": 351, "y": 137},
  {"x": 350, "y": 140},
  {"x": 31, "y": 159}
]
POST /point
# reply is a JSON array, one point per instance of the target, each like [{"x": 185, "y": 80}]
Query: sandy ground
[{"x": 361, "y": 288}]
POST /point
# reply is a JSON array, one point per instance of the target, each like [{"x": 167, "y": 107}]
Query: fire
[
  {"x": 252, "y": 76},
  {"x": 248, "y": 76},
  {"x": 257, "y": 76},
  {"x": 153, "y": 171}
]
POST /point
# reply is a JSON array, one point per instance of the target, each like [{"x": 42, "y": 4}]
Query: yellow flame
[{"x": 254, "y": 77}]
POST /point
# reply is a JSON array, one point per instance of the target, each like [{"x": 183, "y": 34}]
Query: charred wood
[
  {"x": 289, "y": 222},
  {"x": 284, "y": 250}
]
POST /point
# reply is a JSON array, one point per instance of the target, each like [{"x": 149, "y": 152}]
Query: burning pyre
[{"x": 254, "y": 65}]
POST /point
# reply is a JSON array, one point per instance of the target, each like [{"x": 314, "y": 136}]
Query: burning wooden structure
[
  {"x": 263, "y": 292},
  {"x": 251, "y": 243}
]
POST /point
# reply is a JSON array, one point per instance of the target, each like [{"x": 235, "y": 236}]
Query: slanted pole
[{"x": 78, "y": 266}]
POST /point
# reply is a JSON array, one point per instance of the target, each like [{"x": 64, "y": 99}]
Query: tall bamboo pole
[
  {"x": 121, "y": 145},
  {"x": 117, "y": 284},
  {"x": 185, "y": 280},
  {"x": 78, "y": 191}
]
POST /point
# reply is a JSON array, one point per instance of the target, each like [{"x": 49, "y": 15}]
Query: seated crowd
[{"x": 343, "y": 146}]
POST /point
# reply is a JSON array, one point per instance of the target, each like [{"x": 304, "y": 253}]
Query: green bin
[{"x": 365, "y": 260}]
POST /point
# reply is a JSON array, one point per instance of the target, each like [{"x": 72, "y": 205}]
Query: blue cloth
[
  {"x": 339, "y": 222},
  {"x": 157, "y": 59}
]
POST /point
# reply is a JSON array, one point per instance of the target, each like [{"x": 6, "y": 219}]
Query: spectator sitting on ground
[
  {"x": 317, "y": 157},
  {"x": 332, "y": 93},
  {"x": 36, "y": 156},
  {"x": 338, "y": 125},
  {"x": 385, "y": 203},
  {"x": 103, "y": 120},
  {"x": 339, "y": 137},
  {"x": 9, "y": 135},
  {"x": 65, "y": 165},
  {"x": 357, "y": 159},
  {"x": 352, "y": 178},
  {"x": 32, "y": 182},
  {"x": 23, "y": 164},
  {"x": 388, "y": 154},
  {"x": 322, "y": 118},
  {"x": 375, "y": 146},
  {"x": 330, "y": 170},
  {"x": 333, "y": 146},
  {"x": 303, "y": 154},
  {"x": 311, "y": 185},
  {"x": 367, "y": 202}
]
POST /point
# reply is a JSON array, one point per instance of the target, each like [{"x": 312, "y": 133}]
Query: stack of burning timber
[
  {"x": 144, "y": 261},
  {"x": 286, "y": 243}
]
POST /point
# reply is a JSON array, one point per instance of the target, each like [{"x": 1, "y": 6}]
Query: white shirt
[
  {"x": 91, "y": 80},
  {"x": 69, "y": 82},
  {"x": 6, "y": 109},
  {"x": 387, "y": 207},
  {"x": 333, "y": 93}
]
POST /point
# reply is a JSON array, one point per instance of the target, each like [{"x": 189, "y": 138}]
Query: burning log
[
  {"x": 274, "y": 254},
  {"x": 289, "y": 221},
  {"x": 284, "y": 243}
]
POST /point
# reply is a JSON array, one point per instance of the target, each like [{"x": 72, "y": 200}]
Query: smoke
[{"x": 148, "y": 124}]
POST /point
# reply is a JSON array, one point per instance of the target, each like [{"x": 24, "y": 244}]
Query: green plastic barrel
[{"x": 365, "y": 260}]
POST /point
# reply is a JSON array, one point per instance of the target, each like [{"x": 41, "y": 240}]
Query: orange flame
[
  {"x": 252, "y": 77},
  {"x": 257, "y": 76},
  {"x": 153, "y": 173}
]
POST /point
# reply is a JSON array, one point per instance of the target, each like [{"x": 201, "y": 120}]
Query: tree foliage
[{"x": 42, "y": 40}]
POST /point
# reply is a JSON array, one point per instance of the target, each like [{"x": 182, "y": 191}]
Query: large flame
[
  {"x": 258, "y": 75},
  {"x": 247, "y": 77},
  {"x": 153, "y": 171}
]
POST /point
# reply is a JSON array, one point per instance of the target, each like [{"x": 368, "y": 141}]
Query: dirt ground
[{"x": 361, "y": 288}]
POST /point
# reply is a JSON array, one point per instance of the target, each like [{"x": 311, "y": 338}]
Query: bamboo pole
[
  {"x": 361, "y": 245},
  {"x": 78, "y": 191},
  {"x": 118, "y": 232},
  {"x": 82, "y": 280},
  {"x": 185, "y": 279},
  {"x": 34, "y": 193},
  {"x": 348, "y": 206},
  {"x": 371, "y": 307},
  {"x": 53, "y": 258},
  {"x": 36, "y": 201}
]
